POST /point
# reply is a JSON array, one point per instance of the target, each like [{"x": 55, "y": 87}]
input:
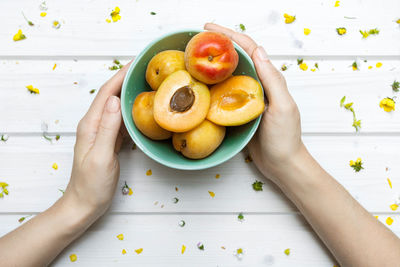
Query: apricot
[
  {"x": 210, "y": 57},
  {"x": 142, "y": 114},
  {"x": 236, "y": 101},
  {"x": 181, "y": 103},
  {"x": 199, "y": 142},
  {"x": 162, "y": 65}
]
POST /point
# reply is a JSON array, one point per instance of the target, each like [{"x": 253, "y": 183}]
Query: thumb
[
  {"x": 110, "y": 124},
  {"x": 272, "y": 79}
]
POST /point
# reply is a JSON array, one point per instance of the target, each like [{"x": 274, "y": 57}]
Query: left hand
[{"x": 95, "y": 170}]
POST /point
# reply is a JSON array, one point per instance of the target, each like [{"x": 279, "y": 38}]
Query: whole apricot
[
  {"x": 199, "y": 142},
  {"x": 142, "y": 114},
  {"x": 210, "y": 57},
  {"x": 162, "y": 65}
]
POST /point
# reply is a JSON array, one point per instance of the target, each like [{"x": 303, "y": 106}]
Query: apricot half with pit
[
  {"x": 142, "y": 114},
  {"x": 236, "y": 101},
  {"x": 199, "y": 142},
  {"x": 181, "y": 103},
  {"x": 162, "y": 65}
]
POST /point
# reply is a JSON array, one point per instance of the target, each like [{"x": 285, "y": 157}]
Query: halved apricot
[
  {"x": 199, "y": 142},
  {"x": 142, "y": 114},
  {"x": 162, "y": 65},
  {"x": 181, "y": 103},
  {"x": 236, "y": 101}
]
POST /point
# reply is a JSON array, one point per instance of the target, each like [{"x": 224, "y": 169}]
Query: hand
[
  {"x": 95, "y": 170},
  {"x": 278, "y": 139}
]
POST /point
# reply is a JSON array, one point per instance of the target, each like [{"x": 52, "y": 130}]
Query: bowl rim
[{"x": 154, "y": 156}]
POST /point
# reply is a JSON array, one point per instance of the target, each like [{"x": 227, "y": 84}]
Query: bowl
[{"x": 236, "y": 138}]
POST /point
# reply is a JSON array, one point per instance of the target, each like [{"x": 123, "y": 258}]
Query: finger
[
  {"x": 243, "y": 40},
  {"x": 272, "y": 79},
  {"x": 111, "y": 87},
  {"x": 110, "y": 124}
]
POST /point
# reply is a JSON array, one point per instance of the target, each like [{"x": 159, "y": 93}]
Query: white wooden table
[{"x": 83, "y": 49}]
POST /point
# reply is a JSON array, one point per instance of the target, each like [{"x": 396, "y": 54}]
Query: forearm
[
  {"x": 41, "y": 239},
  {"x": 351, "y": 233}
]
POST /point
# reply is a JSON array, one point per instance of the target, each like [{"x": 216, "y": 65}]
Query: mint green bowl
[{"x": 162, "y": 151}]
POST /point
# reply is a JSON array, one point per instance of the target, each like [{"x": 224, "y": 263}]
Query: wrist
[{"x": 75, "y": 218}]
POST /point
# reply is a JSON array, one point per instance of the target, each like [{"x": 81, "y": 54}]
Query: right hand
[{"x": 277, "y": 142}]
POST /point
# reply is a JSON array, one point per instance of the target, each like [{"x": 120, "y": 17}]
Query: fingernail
[
  {"x": 261, "y": 53},
  {"x": 112, "y": 104}
]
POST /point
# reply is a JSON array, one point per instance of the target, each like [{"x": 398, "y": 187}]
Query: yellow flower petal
[
  {"x": 108, "y": 20},
  {"x": 394, "y": 207},
  {"x": 287, "y": 251},
  {"x": 123, "y": 252},
  {"x": 370, "y": 67},
  {"x": 73, "y": 257},
  {"x": 32, "y": 89},
  {"x": 389, "y": 221},
  {"x": 303, "y": 66},
  {"x": 389, "y": 182},
  {"x": 139, "y": 250},
  {"x": 337, "y": 3},
  {"x": 307, "y": 31},
  {"x": 183, "y": 249},
  {"x": 217, "y": 176},
  {"x": 387, "y": 104},
  {"x": 149, "y": 172},
  {"x": 55, "y": 166},
  {"x": 43, "y": 14},
  {"x": 379, "y": 64},
  {"x": 288, "y": 18},
  {"x": 212, "y": 194},
  {"x": 376, "y": 216},
  {"x": 120, "y": 237},
  {"x": 19, "y": 36},
  {"x": 130, "y": 192}
]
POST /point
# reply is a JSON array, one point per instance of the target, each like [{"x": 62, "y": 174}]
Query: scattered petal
[
  {"x": 183, "y": 249},
  {"x": 307, "y": 31},
  {"x": 123, "y": 252},
  {"x": 288, "y": 18},
  {"x": 43, "y": 14},
  {"x": 341, "y": 30},
  {"x": 389, "y": 182},
  {"x": 303, "y": 66},
  {"x": 19, "y": 36},
  {"x": 3, "y": 188},
  {"x": 389, "y": 221},
  {"x": 379, "y": 64},
  {"x": 287, "y": 251},
  {"x": 337, "y": 3},
  {"x": 56, "y": 24},
  {"x": 217, "y": 176},
  {"x": 32, "y": 90},
  {"x": 139, "y": 250},
  {"x": 370, "y": 67},
  {"x": 55, "y": 166},
  {"x": 55, "y": 66},
  {"x": 387, "y": 104},
  {"x": 115, "y": 16},
  {"x": 394, "y": 207},
  {"x": 212, "y": 194},
  {"x": 73, "y": 257},
  {"x": 130, "y": 193},
  {"x": 149, "y": 172},
  {"x": 120, "y": 237}
]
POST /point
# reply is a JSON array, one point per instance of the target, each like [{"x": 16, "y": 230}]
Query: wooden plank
[
  {"x": 262, "y": 237},
  {"x": 84, "y": 30},
  {"x": 26, "y": 164},
  {"x": 65, "y": 95}
]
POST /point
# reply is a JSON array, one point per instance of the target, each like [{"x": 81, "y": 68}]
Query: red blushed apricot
[
  {"x": 162, "y": 65},
  {"x": 210, "y": 57},
  {"x": 199, "y": 142},
  {"x": 236, "y": 101},
  {"x": 181, "y": 103},
  {"x": 142, "y": 114}
]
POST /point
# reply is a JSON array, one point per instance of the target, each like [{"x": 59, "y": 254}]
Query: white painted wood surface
[{"x": 85, "y": 46}]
